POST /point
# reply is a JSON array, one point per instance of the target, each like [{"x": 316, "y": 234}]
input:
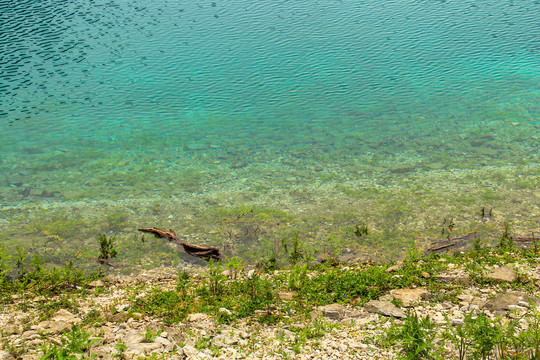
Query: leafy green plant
[
  {"x": 256, "y": 294},
  {"x": 478, "y": 337},
  {"x": 415, "y": 337},
  {"x": 107, "y": 249},
  {"x": 506, "y": 241},
  {"x": 215, "y": 278},
  {"x": 202, "y": 343},
  {"x": 4, "y": 268},
  {"x": 459, "y": 337},
  {"x": 21, "y": 257},
  {"x": 361, "y": 230},
  {"x": 167, "y": 304},
  {"x": 149, "y": 336},
  {"x": 511, "y": 344},
  {"x": 182, "y": 282},
  {"x": 93, "y": 317},
  {"x": 270, "y": 263},
  {"x": 476, "y": 244},
  {"x": 297, "y": 252},
  {"x": 532, "y": 334},
  {"x": 120, "y": 348},
  {"x": 235, "y": 265},
  {"x": 76, "y": 342},
  {"x": 339, "y": 285},
  {"x": 297, "y": 276},
  {"x": 484, "y": 336}
]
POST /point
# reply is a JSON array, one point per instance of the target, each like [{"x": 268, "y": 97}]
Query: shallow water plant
[
  {"x": 4, "y": 267},
  {"x": 107, "y": 247}
]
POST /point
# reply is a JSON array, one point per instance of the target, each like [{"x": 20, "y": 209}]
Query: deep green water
[{"x": 316, "y": 116}]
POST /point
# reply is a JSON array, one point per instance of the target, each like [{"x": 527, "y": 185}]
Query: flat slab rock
[
  {"x": 61, "y": 321},
  {"x": 457, "y": 277},
  {"x": 507, "y": 301},
  {"x": 501, "y": 274},
  {"x": 384, "y": 308},
  {"x": 408, "y": 296},
  {"x": 337, "y": 312}
]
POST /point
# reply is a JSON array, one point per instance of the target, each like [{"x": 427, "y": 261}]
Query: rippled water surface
[{"x": 330, "y": 113}]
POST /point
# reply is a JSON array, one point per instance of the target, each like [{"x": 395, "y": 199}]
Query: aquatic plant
[
  {"x": 361, "y": 230},
  {"x": 107, "y": 248}
]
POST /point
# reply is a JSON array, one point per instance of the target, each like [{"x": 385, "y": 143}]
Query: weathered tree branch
[
  {"x": 208, "y": 253},
  {"x": 451, "y": 242},
  {"x": 105, "y": 262}
]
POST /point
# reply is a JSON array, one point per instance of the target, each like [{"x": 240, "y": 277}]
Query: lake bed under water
[{"x": 241, "y": 124}]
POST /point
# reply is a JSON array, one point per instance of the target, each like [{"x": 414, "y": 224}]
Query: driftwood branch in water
[
  {"x": 527, "y": 239},
  {"x": 105, "y": 262},
  {"x": 204, "y": 252},
  {"x": 446, "y": 243},
  {"x": 461, "y": 241}
]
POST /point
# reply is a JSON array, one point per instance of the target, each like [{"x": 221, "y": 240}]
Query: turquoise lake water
[{"x": 326, "y": 113}]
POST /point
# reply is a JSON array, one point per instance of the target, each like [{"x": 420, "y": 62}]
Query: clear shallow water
[{"x": 297, "y": 105}]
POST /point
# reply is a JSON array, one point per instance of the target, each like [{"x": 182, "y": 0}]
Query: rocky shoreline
[{"x": 502, "y": 287}]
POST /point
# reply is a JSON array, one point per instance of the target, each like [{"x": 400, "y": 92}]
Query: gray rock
[
  {"x": 502, "y": 302},
  {"x": 383, "y": 308},
  {"x": 226, "y": 273},
  {"x": 501, "y": 274},
  {"x": 333, "y": 311}
]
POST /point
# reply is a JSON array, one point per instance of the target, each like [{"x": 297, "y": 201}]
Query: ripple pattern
[{"x": 93, "y": 61}]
